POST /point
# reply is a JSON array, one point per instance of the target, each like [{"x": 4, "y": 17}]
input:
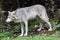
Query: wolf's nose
[{"x": 8, "y": 20}]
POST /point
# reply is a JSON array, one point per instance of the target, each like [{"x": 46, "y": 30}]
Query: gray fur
[{"x": 27, "y": 13}]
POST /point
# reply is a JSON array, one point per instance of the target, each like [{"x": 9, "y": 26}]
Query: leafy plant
[{"x": 54, "y": 22}]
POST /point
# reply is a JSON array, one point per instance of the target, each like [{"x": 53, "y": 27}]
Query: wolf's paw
[
  {"x": 21, "y": 35},
  {"x": 25, "y": 34},
  {"x": 38, "y": 29},
  {"x": 50, "y": 30}
]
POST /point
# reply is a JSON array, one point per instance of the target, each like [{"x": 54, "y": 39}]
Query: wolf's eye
[
  {"x": 14, "y": 14},
  {"x": 13, "y": 17},
  {"x": 8, "y": 16}
]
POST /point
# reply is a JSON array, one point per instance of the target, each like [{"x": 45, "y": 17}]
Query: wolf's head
[{"x": 10, "y": 16}]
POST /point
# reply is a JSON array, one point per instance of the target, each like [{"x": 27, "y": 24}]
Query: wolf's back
[{"x": 30, "y": 12}]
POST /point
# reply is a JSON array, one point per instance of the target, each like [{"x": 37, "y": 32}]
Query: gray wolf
[{"x": 22, "y": 15}]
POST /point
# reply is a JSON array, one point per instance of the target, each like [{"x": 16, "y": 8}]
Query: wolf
[{"x": 22, "y": 15}]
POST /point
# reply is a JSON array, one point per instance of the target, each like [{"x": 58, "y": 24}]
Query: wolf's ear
[{"x": 9, "y": 12}]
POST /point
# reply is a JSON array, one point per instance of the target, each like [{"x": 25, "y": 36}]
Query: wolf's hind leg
[
  {"x": 45, "y": 18},
  {"x": 49, "y": 24},
  {"x": 47, "y": 21},
  {"x": 40, "y": 26}
]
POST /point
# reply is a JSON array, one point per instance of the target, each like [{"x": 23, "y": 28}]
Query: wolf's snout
[{"x": 8, "y": 20}]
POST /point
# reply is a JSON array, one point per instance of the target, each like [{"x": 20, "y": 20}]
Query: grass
[
  {"x": 7, "y": 36},
  {"x": 37, "y": 37}
]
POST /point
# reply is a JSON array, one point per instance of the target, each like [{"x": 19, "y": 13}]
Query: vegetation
[
  {"x": 11, "y": 35},
  {"x": 11, "y": 31},
  {"x": 8, "y": 36}
]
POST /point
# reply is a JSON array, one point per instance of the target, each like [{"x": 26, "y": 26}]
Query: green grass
[
  {"x": 10, "y": 36},
  {"x": 37, "y": 37},
  {"x": 7, "y": 36}
]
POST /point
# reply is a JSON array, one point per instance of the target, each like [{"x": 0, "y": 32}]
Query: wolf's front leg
[
  {"x": 26, "y": 28},
  {"x": 22, "y": 29}
]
